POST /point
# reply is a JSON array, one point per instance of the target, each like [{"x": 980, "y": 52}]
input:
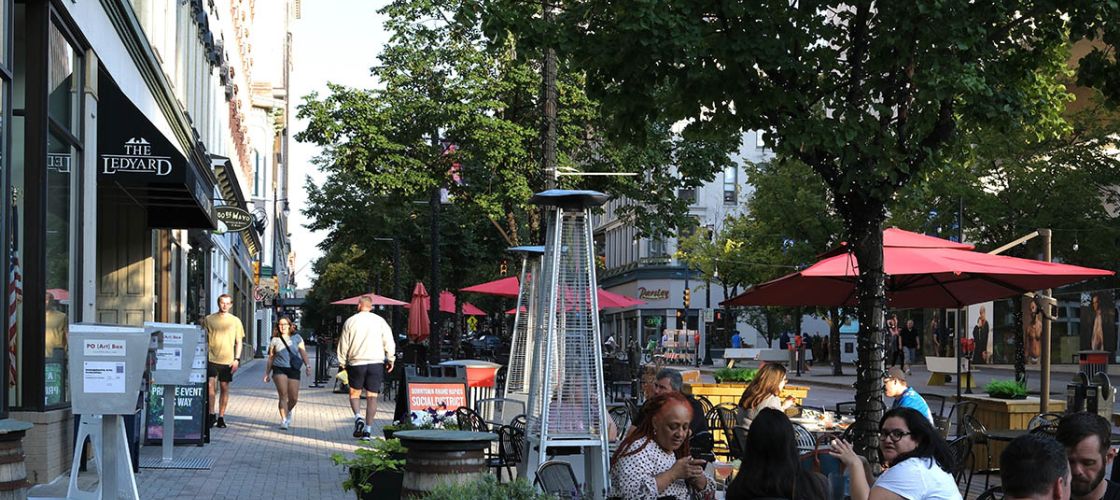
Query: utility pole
[
  {"x": 1044, "y": 393},
  {"x": 434, "y": 291}
]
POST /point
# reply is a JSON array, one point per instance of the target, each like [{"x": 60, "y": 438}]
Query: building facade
[
  {"x": 647, "y": 269},
  {"x": 125, "y": 123}
]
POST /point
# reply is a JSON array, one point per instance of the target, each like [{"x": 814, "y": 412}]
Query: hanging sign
[{"x": 234, "y": 218}]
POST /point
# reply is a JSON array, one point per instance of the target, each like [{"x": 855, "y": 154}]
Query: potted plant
[
  {"x": 1006, "y": 389},
  {"x": 377, "y": 462},
  {"x": 488, "y": 488},
  {"x": 745, "y": 375},
  {"x": 397, "y": 425}
]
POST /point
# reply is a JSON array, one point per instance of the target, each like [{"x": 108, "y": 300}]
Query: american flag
[{"x": 15, "y": 290}]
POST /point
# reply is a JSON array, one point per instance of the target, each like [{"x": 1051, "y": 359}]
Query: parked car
[{"x": 489, "y": 343}]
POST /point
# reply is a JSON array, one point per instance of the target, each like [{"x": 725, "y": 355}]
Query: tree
[{"x": 867, "y": 94}]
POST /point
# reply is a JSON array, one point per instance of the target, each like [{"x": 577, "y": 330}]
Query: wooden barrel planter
[
  {"x": 13, "y": 468},
  {"x": 438, "y": 457}
]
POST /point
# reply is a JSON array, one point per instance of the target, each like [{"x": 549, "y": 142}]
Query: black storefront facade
[{"x": 103, "y": 178}]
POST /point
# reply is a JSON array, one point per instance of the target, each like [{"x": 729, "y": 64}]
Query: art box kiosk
[
  {"x": 177, "y": 398},
  {"x": 107, "y": 364}
]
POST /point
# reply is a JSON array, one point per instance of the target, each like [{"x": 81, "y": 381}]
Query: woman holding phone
[
  {"x": 286, "y": 346},
  {"x": 653, "y": 461}
]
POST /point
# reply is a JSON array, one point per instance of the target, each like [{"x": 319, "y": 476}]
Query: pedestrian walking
[
  {"x": 364, "y": 347},
  {"x": 910, "y": 340},
  {"x": 286, "y": 355},
  {"x": 224, "y": 335}
]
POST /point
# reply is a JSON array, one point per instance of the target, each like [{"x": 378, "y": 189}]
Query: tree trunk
[
  {"x": 870, "y": 289},
  {"x": 457, "y": 342},
  {"x": 1020, "y": 356},
  {"x": 834, "y": 339}
]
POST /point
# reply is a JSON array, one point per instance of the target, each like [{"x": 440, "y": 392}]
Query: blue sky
[{"x": 334, "y": 41}]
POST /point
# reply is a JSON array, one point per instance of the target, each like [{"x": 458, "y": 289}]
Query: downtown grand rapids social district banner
[{"x": 190, "y": 405}]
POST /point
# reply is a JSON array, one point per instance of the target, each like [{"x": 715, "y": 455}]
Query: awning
[
  {"x": 232, "y": 195},
  {"x": 138, "y": 163}
]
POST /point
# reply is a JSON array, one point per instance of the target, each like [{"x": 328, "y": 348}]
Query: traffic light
[
  {"x": 504, "y": 267},
  {"x": 687, "y": 298}
]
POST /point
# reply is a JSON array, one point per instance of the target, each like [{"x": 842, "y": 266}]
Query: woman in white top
[
  {"x": 764, "y": 392},
  {"x": 284, "y": 347},
  {"x": 653, "y": 460},
  {"x": 918, "y": 461}
]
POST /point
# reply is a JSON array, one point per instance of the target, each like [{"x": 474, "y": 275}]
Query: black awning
[{"x": 137, "y": 162}]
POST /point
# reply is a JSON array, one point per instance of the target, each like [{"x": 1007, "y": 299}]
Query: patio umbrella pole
[{"x": 1044, "y": 396}]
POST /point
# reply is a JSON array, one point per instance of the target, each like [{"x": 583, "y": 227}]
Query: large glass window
[
  {"x": 731, "y": 184},
  {"x": 64, "y": 86},
  {"x": 15, "y": 209},
  {"x": 6, "y": 41}
]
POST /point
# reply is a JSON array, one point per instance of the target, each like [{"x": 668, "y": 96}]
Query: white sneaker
[{"x": 284, "y": 424}]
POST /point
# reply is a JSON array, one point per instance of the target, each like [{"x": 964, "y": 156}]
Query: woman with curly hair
[{"x": 653, "y": 461}]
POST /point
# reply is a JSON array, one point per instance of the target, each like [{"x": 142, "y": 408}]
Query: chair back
[
  {"x": 726, "y": 414},
  {"x": 519, "y": 422},
  {"x": 956, "y": 415},
  {"x": 634, "y": 409},
  {"x": 556, "y": 477},
  {"x": 993, "y": 493},
  {"x": 962, "y": 451},
  {"x": 806, "y": 443},
  {"x": 621, "y": 418},
  {"x": 511, "y": 445},
  {"x": 975, "y": 429},
  {"x": 705, "y": 404},
  {"x": 498, "y": 411},
  {"x": 936, "y": 404},
  {"x": 1044, "y": 422},
  {"x": 470, "y": 420},
  {"x": 701, "y": 444},
  {"x": 829, "y": 466},
  {"x": 846, "y": 408}
]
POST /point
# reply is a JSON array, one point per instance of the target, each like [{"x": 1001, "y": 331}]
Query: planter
[
  {"x": 439, "y": 457},
  {"x": 386, "y": 484},
  {"x": 1003, "y": 414}
]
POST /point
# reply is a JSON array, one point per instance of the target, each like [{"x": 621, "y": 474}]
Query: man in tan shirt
[{"x": 224, "y": 335}]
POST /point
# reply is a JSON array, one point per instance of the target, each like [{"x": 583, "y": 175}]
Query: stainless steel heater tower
[{"x": 567, "y": 414}]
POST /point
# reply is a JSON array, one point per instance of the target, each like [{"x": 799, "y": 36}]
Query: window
[
  {"x": 6, "y": 33},
  {"x": 760, "y": 139},
  {"x": 687, "y": 194},
  {"x": 257, "y": 173},
  {"x": 657, "y": 247},
  {"x": 731, "y": 184}
]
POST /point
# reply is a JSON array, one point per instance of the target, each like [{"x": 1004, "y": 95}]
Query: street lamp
[{"x": 396, "y": 278}]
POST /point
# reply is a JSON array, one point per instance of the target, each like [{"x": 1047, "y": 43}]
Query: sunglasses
[{"x": 894, "y": 435}]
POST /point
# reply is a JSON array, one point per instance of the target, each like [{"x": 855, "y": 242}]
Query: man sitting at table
[
  {"x": 905, "y": 396},
  {"x": 1034, "y": 466},
  {"x": 1087, "y": 438},
  {"x": 670, "y": 380}
]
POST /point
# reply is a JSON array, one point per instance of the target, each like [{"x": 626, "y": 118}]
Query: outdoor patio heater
[
  {"x": 520, "y": 353},
  {"x": 567, "y": 413}
]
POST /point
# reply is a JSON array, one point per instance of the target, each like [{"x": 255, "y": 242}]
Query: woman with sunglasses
[{"x": 919, "y": 461}]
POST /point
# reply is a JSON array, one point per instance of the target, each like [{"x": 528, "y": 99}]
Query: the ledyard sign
[{"x": 136, "y": 157}]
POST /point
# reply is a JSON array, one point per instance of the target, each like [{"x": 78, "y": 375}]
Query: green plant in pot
[
  {"x": 1006, "y": 389},
  {"x": 380, "y": 463},
  {"x": 397, "y": 425},
  {"x": 741, "y": 375}
]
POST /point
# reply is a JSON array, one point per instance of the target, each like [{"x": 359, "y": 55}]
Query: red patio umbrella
[
  {"x": 419, "y": 326},
  {"x": 505, "y": 287},
  {"x": 611, "y": 299},
  {"x": 447, "y": 305},
  {"x": 378, "y": 300},
  {"x": 925, "y": 275}
]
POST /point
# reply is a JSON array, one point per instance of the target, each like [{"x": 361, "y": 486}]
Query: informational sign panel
[
  {"x": 190, "y": 414},
  {"x": 424, "y": 395},
  {"x": 107, "y": 365},
  {"x": 173, "y": 349}
]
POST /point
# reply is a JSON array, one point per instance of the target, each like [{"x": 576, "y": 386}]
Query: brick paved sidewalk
[{"x": 253, "y": 458}]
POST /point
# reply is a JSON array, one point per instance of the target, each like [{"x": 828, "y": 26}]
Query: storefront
[{"x": 105, "y": 176}]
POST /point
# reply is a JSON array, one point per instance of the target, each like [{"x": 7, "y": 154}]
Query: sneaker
[
  {"x": 365, "y": 436},
  {"x": 211, "y": 419},
  {"x": 221, "y": 423},
  {"x": 290, "y": 417},
  {"x": 284, "y": 424},
  {"x": 360, "y": 428}
]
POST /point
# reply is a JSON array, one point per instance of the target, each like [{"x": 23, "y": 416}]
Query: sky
[{"x": 334, "y": 41}]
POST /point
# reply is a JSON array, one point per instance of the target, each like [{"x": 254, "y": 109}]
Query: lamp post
[{"x": 396, "y": 278}]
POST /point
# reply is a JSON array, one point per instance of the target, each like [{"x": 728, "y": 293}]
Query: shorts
[
  {"x": 291, "y": 373},
  {"x": 368, "y": 377},
  {"x": 223, "y": 372}
]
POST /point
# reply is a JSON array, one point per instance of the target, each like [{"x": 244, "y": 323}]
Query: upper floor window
[
  {"x": 731, "y": 184},
  {"x": 687, "y": 194},
  {"x": 258, "y": 174}
]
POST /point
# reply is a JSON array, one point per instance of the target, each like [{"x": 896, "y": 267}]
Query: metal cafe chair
[
  {"x": 806, "y": 443},
  {"x": 470, "y": 420},
  {"x": 1044, "y": 422},
  {"x": 511, "y": 450},
  {"x": 556, "y": 477}
]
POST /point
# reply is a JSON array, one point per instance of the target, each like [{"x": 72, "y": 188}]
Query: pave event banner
[
  {"x": 190, "y": 413},
  {"x": 424, "y": 395}
]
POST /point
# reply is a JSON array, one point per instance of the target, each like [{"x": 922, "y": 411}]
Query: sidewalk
[{"x": 253, "y": 458}]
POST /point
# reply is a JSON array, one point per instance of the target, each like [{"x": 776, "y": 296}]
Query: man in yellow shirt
[
  {"x": 58, "y": 325},
  {"x": 224, "y": 335}
]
